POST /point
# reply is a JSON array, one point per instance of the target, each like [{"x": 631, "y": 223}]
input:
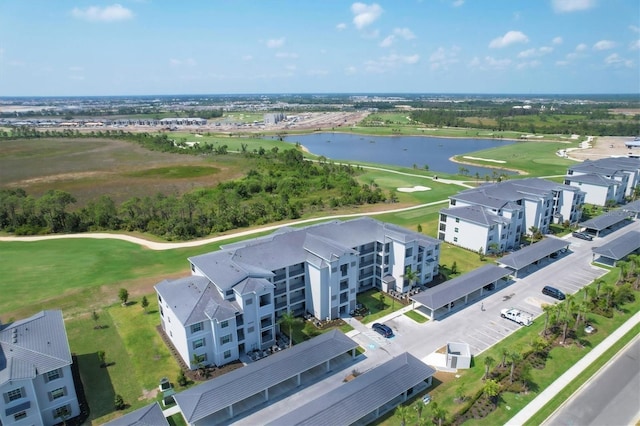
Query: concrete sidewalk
[{"x": 561, "y": 382}]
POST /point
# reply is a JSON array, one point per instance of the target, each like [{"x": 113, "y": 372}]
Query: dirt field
[{"x": 604, "y": 146}]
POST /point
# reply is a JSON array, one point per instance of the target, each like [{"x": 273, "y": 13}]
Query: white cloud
[
  {"x": 581, "y": 47},
  {"x": 634, "y": 45},
  {"x": 287, "y": 55},
  {"x": 387, "y": 63},
  {"x": 442, "y": 58},
  {"x": 458, "y": 3},
  {"x": 634, "y": 28},
  {"x": 350, "y": 70},
  {"x": 562, "y": 63},
  {"x": 341, "y": 26},
  {"x": 529, "y": 64},
  {"x": 274, "y": 43},
  {"x": 604, "y": 45},
  {"x": 365, "y": 14},
  {"x": 532, "y": 53},
  {"x": 247, "y": 57},
  {"x": 563, "y": 6},
  {"x": 111, "y": 13},
  {"x": 614, "y": 60},
  {"x": 489, "y": 63},
  {"x": 317, "y": 73},
  {"x": 557, "y": 40},
  {"x": 510, "y": 37},
  {"x": 76, "y": 69},
  {"x": 388, "y": 41},
  {"x": 405, "y": 33},
  {"x": 190, "y": 62}
]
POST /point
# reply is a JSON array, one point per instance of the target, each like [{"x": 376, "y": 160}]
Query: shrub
[
  {"x": 182, "y": 379},
  {"x": 118, "y": 402}
]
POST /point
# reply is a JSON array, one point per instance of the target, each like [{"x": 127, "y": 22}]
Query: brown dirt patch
[{"x": 604, "y": 146}]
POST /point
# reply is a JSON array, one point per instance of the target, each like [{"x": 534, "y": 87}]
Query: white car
[{"x": 426, "y": 399}]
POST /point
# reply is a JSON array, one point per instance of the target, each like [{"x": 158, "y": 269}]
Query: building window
[
  {"x": 455, "y": 229},
  {"x": 457, "y": 220},
  {"x": 344, "y": 269},
  {"x": 52, "y": 375},
  {"x": 195, "y": 327},
  {"x": 159, "y": 299},
  {"x": 57, "y": 393},
  {"x": 193, "y": 268},
  {"x": 64, "y": 411},
  {"x": 250, "y": 329},
  {"x": 198, "y": 343},
  {"x": 200, "y": 358},
  {"x": 248, "y": 302},
  {"x": 19, "y": 415},
  {"x": 408, "y": 252},
  {"x": 455, "y": 239},
  {"x": 227, "y": 354},
  {"x": 224, "y": 324},
  {"x": 12, "y": 395},
  {"x": 161, "y": 311},
  {"x": 225, "y": 339}
]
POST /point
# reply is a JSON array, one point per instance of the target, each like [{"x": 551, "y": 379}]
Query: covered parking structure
[
  {"x": 365, "y": 398},
  {"x": 221, "y": 399},
  {"x": 608, "y": 221},
  {"x": 617, "y": 249},
  {"x": 440, "y": 299},
  {"x": 632, "y": 208},
  {"x": 532, "y": 254}
]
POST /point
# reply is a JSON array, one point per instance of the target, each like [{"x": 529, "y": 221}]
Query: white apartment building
[
  {"x": 496, "y": 216},
  {"x": 605, "y": 180},
  {"x": 36, "y": 383},
  {"x": 235, "y": 296}
]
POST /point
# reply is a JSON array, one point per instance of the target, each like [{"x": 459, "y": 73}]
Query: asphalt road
[{"x": 611, "y": 397}]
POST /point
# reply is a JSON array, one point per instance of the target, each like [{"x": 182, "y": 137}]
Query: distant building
[
  {"x": 498, "y": 215},
  {"x": 235, "y": 297},
  {"x": 274, "y": 118},
  {"x": 606, "y": 179},
  {"x": 36, "y": 382}
]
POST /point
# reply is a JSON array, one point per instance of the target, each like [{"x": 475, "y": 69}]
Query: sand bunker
[
  {"x": 484, "y": 159},
  {"x": 414, "y": 189}
]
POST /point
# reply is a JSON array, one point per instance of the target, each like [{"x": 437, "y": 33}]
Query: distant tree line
[{"x": 281, "y": 186}]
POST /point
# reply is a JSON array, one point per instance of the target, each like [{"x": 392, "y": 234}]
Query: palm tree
[
  {"x": 515, "y": 357},
  {"x": 289, "y": 320},
  {"x": 410, "y": 275},
  {"x": 403, "y": 412},
  {"x": 418, "y": 406},
  {"x": 581, "y": 312},
  {"x": 598, "y": 285},
  {"x": 492, "y": 389},
  {"x": 505, "y": 352},
  {"x": 547, "y": 309},
  {"x": 624, "y": 271},
  {"x": 488, "y": 362},
  {"x": 439, "y": 413}
]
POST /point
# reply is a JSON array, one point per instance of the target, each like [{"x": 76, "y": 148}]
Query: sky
[{"x": 164, "y": 47}]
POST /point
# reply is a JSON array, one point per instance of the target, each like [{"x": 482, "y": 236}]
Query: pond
[{"x": 400, "y": 150}]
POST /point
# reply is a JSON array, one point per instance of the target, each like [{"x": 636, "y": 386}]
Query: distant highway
[{"x": 611, "y": 397}]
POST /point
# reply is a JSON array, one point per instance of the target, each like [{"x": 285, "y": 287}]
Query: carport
[
  {"x": 617, "y": 249},
  {"x": 532, "y": 254},
  {"x": 460, "y": 288},
  {"x": 606, "y": 221},
  {"x": 365, "y": 398},
  {"x": 633, "y": 208},
  {"x": 221, "y": 399}
]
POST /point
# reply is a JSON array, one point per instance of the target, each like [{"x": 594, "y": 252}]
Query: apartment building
[
  {"x": 36, "y": 382},
  {"x": 494, "y": 217},
  {"x": 605, "y": 180},
  {"x": 234, "y": 298}
]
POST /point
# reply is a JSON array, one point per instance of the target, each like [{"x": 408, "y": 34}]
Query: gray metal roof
[
  {"x": 194, "y": 299},
  {"x": 210, "y": 397},
  {"x": 353, "y": 400},
  {"x": 150, "y": 415},
  {"x": 620, "y": 247},
  {"x": 33, "y": 346},
  {"x": 534, "y": 252},
  {"x": 633, "y": 207},
  {"x": 606, "y": 220},
  {"x": 608, "y": 165},
  {"x": 458, "y": 287}
]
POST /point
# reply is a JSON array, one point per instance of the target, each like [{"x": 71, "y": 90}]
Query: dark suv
[
  {"x": 582, "y": 236},
  {"x": 385, "y": 330},
  {"x": 553, "y": 292}
]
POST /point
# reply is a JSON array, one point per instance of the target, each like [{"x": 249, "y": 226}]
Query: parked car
[
  {"x": 582, "y": 236},
  {"x": 553, "y": 292},
  {"x": 385, "y": 330},
  {"x": 426, "y": 399}
]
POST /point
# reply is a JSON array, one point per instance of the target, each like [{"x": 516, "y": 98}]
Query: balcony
[
  {"x": 296, "y": 270},
  {"x": 296, "y": 285},
  {"x": 296, "y": 299},
  {"x": 280, "y": 289},
  {"x": 279, "y": 277},
  {"x": 266, "y": 323}
]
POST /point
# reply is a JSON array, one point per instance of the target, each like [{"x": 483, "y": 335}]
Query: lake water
[{"x": 399, "y": 150}]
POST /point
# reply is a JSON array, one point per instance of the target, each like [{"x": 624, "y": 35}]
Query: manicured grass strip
[
  {"x": 586, "y": 374},
  {"x": 416, "y": 317}
]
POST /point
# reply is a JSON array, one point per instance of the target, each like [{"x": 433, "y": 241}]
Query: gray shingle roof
[
  {"x": 194, "y": 299},
  {"x": 620, "y": 247},
  {"x": 474, "y": 214},
  {"x": 208, "y": 398},
  {"x": 534, "y": 252},
  {"x": 608, "y": 165},
  {"x": 633, "y": 207},
  {"x": 352, "y": 401},
  {"x": 592, "y": 179},
  {"x": 150, "y": 415},
  {"x": 458, "y": 287},
  {"x": 606, "y": 220},
  {"x": 33, "y": 346}
]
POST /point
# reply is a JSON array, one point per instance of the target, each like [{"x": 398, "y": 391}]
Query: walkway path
[{"x": 561, "y": 382}]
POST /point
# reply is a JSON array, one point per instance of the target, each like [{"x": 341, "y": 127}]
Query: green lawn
[
  {"x": 416, "y": 317},
  {"x": 371, "y": 300}
]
